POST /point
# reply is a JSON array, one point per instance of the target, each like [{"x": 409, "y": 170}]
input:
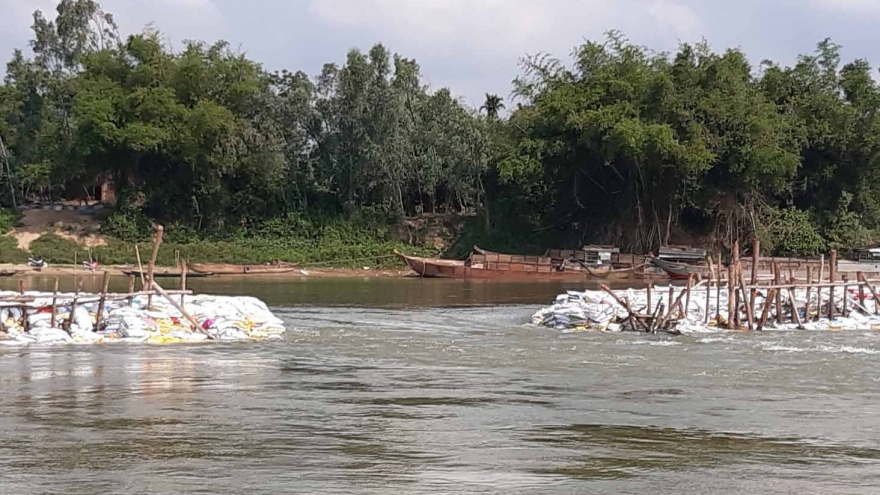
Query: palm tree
[{"x": 492, "y": 106}]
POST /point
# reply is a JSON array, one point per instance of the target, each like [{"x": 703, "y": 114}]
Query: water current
[{"x": 418, "y": 386}]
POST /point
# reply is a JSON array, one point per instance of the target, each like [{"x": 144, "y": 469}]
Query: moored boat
[
  {"x": 166, "y": 274},
  {"x": 488, "y": 265},
  {"x": 232, "y": 269},
  {"x": 679, "y": 271}
]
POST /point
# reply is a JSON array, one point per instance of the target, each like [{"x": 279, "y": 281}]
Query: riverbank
[{"x": 24, "y": 271}]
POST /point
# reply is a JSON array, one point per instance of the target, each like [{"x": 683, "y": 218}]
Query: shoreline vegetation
[
  {"x": 304, "y": 272},
  {"x": 616, "y": 144}
]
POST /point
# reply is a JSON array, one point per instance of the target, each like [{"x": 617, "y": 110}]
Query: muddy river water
[{"x": 418, "y": 386}]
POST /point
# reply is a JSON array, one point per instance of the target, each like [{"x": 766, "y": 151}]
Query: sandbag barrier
[{"x": 143, "y": 317}]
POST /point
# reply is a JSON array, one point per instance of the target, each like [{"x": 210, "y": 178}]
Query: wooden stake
[
  {"x": 104, "y": 286},
  {"x": 21, "y": 287},
  {"x": 157, "y": 242},
  {"x": 756, "y": 259},
  {"x": 54, "y": 305},
  {"x": 718, "y": 292},
  {"x": 766, "y": 312},
  {"x": 821, "y": 268},
  {"x": 794, "y": 309},
  {"x": 687, "y": 303},
  {"x": 73, "y": 304},
  {"x": 613, "y": 296},
  {"x": 730, "y": 296},
  {"x": 650, "y": 288},
  {"x": 832, "y": 273},
  {"x": 183, "y": 271},
  {"x": 709, "y": 292},
  {"x": 670, "y": 308},
  {"x": 137, "y": 252},
  {"x": 809, "y": 288},
  {"x": 750, "y": 317},
  {"x": 131, "y": 290},
  {"x": 873, "y": 292},
  {"x": 777, "y": 279},
  {"x": 186, "y": 315}
]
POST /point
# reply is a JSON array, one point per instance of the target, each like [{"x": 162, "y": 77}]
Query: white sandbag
[
  {"x": 83, "y": 320},
  {"x": 50, "y": 335},
  {"x": 134, "y": 327}
]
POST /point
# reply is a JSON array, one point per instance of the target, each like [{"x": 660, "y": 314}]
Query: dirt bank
[{"x": 298, "y": 274}]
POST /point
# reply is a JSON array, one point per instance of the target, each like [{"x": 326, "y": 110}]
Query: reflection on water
[{"x": 408, "y": 398}]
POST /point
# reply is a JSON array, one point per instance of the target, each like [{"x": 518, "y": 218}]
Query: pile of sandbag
[
  {"x": 218, "y": 317},
  {"x": 597, "y": 310}
]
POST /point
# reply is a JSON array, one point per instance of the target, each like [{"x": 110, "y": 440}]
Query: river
[{"x": 419, "y": 386}]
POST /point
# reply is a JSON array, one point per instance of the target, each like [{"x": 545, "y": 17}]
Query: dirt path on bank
[{"x": 299, "y": 273}]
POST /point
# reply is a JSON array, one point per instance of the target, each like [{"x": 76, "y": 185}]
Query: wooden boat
[
  {"x": 598, "y": 261},
  {"x": 167, "y": 274},
  {"x": 231, "y": 269},
  {"x": 488, "y": 265},
  {"x": 678, "y": 271}
]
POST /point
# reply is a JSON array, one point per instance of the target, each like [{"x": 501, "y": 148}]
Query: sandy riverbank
[{"x": 299, "y": 273}]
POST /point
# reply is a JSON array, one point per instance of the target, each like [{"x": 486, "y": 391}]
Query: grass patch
[{"x": 57, "y": 250}]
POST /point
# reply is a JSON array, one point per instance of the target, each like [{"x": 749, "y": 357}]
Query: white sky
[{"x": 473, "y": 46}]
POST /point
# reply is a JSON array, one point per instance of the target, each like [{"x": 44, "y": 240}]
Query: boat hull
[
  {"x": 437, "y": 268},
  {"x": 166, "y": 274},
  {"x": 227, "y": 269},
  {"x": 679, "y": 271}
]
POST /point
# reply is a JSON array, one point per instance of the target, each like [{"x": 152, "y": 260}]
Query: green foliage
[
  {"x": 9, "y": 252},
  {"x": 845, "y": 229},
  {"x": 9, "y": 219},
  {"x": 624, "y": 145},
  {"x": 128, "y": 226},
  {"x": 790, "y": 232},
  {"x": 343, "y": 242}
]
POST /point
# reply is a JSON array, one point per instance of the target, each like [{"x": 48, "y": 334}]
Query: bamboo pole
[
  {"x": 730, "y": 296},
  {"x": 821, "y": 268},
  {"x": 73, "y": 304},
  {"x": 826, "y": 285},
  {"x": 750, "y": 318},
  {"x": 131, "y": 290},
  {"x": 650, "y": 302},
  {"x": 193, "y": 321},
  {"x": 104, "y": 286},
  {"x": 766, "y": 311},
  {"x": 24, "y": 319},
  {"x": 687, "y": 303},
  {"x": 873, "y": 292},
  {"x": 157, "y": 242},
  {"x": 709, "y": 292},
  {"x": 777, "y": 280},
  {"x": 607, "y": 290},
  {"x": 756, "y": 259},
  {"x": 54, "y": 305},
  {"x": 137, "y": 252},
  {"x": 809, "y": 289},
  {"x": 794, "y": 309},
  {"x": 671, "y": 306},
  {"x": 737, "y": 269},
  {"x": 183, "y": 272},
  {"x": 718, "y": 292},
  {"x": 832, "y": 273}
]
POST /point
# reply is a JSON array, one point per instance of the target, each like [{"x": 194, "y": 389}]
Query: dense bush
[{"x": 9, "y": 219}]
